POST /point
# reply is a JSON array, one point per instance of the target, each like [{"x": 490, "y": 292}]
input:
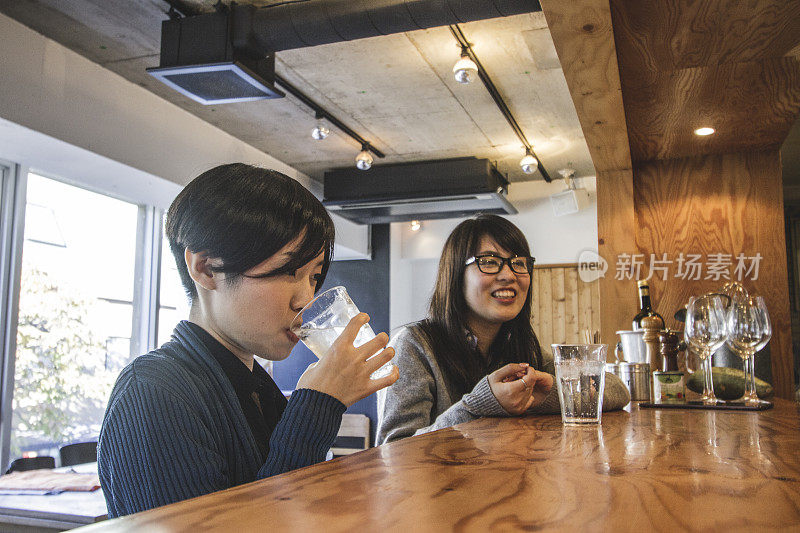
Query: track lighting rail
[
  {"x": 322, "y": 112},
  {"x": 498, "y": 99}
]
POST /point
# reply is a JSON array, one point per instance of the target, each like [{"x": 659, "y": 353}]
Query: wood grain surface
[
  {"x": 682, "y": 65},
  {"x": 584, "y": 41},
  {"x": 648, "y": 469},
  {"x": 751, "y": 105},
  {"x": 616, "y": 234},
  {"x": 676, "y": 34},
  {"x": 719, "y": 204},
  {"x": 563, "y": 306},
  {"x": 718, "y": 63}
]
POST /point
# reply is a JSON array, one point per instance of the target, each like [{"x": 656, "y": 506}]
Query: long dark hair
[
  {"x": 243, "y": 215},
  {"x": 445, "y": 329}
]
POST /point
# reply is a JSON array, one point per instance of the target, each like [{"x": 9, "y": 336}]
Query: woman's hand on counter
[{"x": 518, "y": 387}]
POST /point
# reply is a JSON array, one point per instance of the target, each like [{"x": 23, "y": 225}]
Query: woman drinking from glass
[{"x": 198, "y": 414}]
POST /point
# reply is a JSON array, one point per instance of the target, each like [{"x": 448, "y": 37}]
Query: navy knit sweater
[{"x": 174, "y": 429}]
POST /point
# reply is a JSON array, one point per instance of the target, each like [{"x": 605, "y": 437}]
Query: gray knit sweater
[{"x": 419, "y": 402}]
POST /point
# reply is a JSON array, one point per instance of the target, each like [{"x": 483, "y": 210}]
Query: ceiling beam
[
  {"x": 584, "y": 41},
  {"x": 727, "y": 65}
]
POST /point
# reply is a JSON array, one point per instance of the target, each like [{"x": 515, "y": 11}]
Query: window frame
[
  {"x": 147, "y": 279},
  {"x": 12, "y": 234}
]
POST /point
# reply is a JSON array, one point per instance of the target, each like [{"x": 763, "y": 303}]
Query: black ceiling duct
[
  {"x": 424, "y": 190},
  {"x": 228, "y": 56},
  {"x": 301, "y": 24}
]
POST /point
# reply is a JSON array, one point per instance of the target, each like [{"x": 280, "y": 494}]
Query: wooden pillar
[
  {"x": 584, "y": 39},
  {"x": 616, "y": 234},
  {"x": 660, "y": 188}
]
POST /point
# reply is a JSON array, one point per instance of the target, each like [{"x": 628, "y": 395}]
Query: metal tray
[{"x": 727, "y": 406}]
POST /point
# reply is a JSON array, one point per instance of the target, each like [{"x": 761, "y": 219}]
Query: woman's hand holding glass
[
  {"x": 518, "y": 387},
  {"x": 344, "y": 372}
]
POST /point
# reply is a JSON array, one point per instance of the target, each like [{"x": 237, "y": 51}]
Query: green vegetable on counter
[{"x": 728, "y": 384}]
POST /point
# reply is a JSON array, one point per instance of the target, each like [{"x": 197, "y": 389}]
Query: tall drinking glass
[
  {"x": 749, "y": 330},
  {"x": 581, "y": 378},
  {"x": 706, "y": 330},
  {"x": 324, "y": 318}
]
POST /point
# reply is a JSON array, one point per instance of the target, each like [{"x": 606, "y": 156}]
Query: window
[
  {"x": 75, "y": 313},
  {"x": 80, "y": 276}
]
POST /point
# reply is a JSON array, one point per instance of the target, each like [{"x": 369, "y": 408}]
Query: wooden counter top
[{"x": 642, "y": 469}]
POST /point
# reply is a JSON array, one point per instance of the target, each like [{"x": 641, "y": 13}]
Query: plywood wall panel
[
  {"x": 559, "y": 309},
  {"x": 728, "y": 204},
  {"x": 594, "y": 315},
  {"x": 730, "y": 65},
  {"x": 719, "y": 63},
  {"x": 768, "y": 89},
  {"x": 546, "y": 301},
  {"x": 675, "y": 34}
]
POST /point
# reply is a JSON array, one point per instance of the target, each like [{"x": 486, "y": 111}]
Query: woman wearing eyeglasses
[{"x": 476, "y": 353}]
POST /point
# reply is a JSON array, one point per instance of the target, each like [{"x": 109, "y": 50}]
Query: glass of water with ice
[
  {"x": 581, "y": 378},
  {"x": 321, "y": 322}
]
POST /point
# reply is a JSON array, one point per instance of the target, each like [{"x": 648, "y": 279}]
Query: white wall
[
  {"x": 553, "y": 240},
  {"x": 47, "y": 89}
]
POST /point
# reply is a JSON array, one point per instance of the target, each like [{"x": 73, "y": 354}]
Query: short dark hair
[
  {"x": 446, "y": 324},
  {"x": 243, "y": 215}
]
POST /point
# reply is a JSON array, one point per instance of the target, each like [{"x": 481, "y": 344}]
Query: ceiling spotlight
[
  {"x": 321, "y": 130},
  {"x": 415, "y": 225},
  {"x": 704, "y": 131},
  {"x": 464, "y": 67},
  {"x": 364, "y": 159},
  {"x": 529, "y": 163}
]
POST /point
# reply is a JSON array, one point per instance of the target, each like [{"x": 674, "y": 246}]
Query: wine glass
[
  {"x": 706, "y": 330},
  {"x": 745, "y": 330},
  {"x": 734, "y": 290},
  {"x": 749, "y": 330}
]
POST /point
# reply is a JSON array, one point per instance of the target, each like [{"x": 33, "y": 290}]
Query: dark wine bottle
[{"x": 645, "y": 307}]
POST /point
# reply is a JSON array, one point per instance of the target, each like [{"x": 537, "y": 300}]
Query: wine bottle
[{"x": 645, "y": 307}]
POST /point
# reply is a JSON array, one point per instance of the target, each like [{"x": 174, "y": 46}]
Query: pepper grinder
[
  {"x": 652, "y": 326},
  {"x": 669, "y": 350}
]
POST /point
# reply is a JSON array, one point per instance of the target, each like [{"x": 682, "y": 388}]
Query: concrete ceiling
[{"x": 396, "y": 91}]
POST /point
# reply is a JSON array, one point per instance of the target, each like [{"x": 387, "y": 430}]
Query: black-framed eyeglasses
[{"x": 492, "y": 264}]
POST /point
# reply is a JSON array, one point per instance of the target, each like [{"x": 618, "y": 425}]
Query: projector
[{"x": 569, "y": 201}]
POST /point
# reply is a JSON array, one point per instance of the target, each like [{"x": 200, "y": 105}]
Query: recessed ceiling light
[{"x": 704, "y": 131}]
